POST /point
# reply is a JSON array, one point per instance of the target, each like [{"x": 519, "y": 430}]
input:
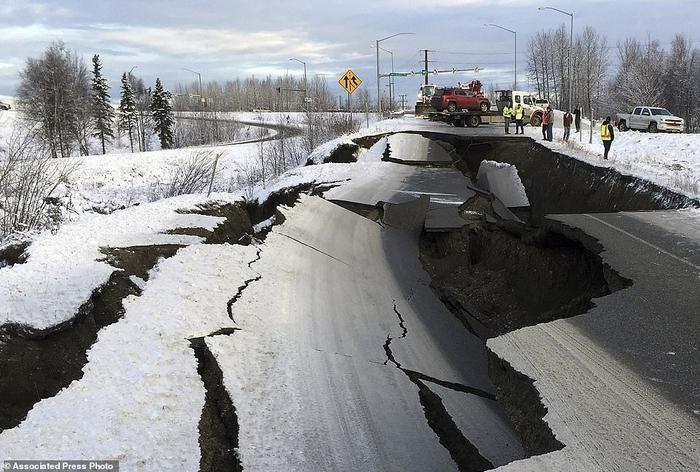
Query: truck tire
[
  {"x": 452, "y": 107},
  {"x": 622, "y": 126},
  {"x": 536, "y": 120},
  {"x": 653, "y": 127},
  {"x": 484, "y": 106},
  {"x": 473, "y": 121}
]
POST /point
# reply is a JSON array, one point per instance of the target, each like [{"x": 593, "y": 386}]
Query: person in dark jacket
[
  {"x": 549, "y": 118},
  {"x": 577, "y": 118},
  {"x": 568, "y": 118},
  {"x": 607, "y": 135}
]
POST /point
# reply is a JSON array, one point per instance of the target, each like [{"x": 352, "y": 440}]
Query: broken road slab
[
  {"x": 354, "y": 318},
  {"x": 410, "y": 148},
  {"x": 621, "y": 381}
]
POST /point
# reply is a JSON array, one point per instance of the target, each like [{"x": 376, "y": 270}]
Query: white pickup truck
[{"x": 652, "y": 119}]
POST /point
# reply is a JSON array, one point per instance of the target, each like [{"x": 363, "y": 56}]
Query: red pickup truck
[{"x": 453, "y": 99}]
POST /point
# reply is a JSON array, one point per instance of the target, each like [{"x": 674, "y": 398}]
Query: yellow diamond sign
[{"x": 349, "y": 81}]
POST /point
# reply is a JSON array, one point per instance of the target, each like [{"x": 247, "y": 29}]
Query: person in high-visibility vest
[
  {"x": 506, "y": 117},
  {"x": 519, "y": 114},
  {"x": 607, "y": 135}
]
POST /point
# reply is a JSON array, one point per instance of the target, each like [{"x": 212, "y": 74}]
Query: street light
[
  {"x": 201, "y": 105},
  {"x": 305, "y": 86},
  {"x": 515, "y": 53},
  {"x": 379, "y": 90},
  {"x": 391, "y": 78},
  {"x": 571, "y": 47},
  {"x": 306, "y": 102}
]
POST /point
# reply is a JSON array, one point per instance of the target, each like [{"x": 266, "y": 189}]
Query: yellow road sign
[{"x": 349, "y": 81}]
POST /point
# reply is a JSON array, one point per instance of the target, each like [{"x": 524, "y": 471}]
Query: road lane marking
[{"x": 637, "y": 238}]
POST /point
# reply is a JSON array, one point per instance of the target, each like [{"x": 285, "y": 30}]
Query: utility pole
[{"x": 425, "y": 67}]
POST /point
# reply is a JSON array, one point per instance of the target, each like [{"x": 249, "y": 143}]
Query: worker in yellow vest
[
  {"x": 519, "y": 113},
  {"x": 507, "y": 113},
  {"x": 607, "y": 135}
]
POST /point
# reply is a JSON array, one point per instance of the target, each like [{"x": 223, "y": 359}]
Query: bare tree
[
  {"x": 592, "y": 67},
  {"x": 28, "y": 179},
  {"x": 54, "y": 92}
]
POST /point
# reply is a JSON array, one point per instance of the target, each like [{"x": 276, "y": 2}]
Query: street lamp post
[
  {"x": 379, "y": 90},
  {"x": 515, "y": 53},
  {"x": 306, "y": 103},
  {"x": 571, "y": 48},
  {"x": 391, "y": 79},
  {"x": 201, "y": 105}
]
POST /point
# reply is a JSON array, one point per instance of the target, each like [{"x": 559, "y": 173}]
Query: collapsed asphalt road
[{"x": 349, "y": 339}]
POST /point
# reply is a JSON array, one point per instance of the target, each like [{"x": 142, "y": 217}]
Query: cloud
[{"x": 218, "y": 43}]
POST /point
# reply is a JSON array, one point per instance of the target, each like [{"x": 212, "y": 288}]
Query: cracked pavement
[{"x": 307, "y": 372}]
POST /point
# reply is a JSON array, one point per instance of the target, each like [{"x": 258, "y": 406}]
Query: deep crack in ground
[
  {"x": 462, "y": 451},
  {"x": 218, "y": 423},
  {"x": 241, "y": 288}
]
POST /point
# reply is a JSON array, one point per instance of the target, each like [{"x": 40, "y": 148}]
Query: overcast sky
[{"x": 225, "y": 39}]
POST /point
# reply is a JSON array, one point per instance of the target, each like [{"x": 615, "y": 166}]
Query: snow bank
[
  {"x": 669, "y": 160},
  {"x": 140, "y": 398},
  {"x": 63, "y": 269}
]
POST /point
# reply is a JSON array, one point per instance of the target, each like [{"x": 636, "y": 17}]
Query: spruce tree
[
  {"x": 162, "y": 115},
  {"x": 127, "y": 109},
  {"x": 102, "y": 110}
]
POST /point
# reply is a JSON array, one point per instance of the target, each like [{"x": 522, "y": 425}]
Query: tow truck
[{"x": 532, "y": 112}]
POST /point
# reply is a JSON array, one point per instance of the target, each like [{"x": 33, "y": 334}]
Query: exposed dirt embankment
[
  {"x": 499, "y": 277},
  {"x": 556, "y": 183},
  {"x": 38, "y": 364},
  {"x": 508, "y": 276}
]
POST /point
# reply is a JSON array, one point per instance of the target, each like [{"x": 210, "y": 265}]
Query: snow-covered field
[
  {"x": 64, "y": 268},
  {"x": 669, "y": 160}
]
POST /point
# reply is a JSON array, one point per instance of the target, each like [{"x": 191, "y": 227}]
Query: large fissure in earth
[
  {"x": 37, "y": 364},
  {"x": 218, "y": 423}
]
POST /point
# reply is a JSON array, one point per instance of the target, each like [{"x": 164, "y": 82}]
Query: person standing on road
[
  {"x": 506, "y": 117},
  {"x": 568, "y": 118},
  {"x": 519, "y": 113},
  {"x": 577, "y": 119},
  {"x": 549, "y": 118},
  {"x": 607, "y": 135}
]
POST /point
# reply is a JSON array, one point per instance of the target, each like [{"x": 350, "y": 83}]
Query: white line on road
[{"x": 637, "y": 238}]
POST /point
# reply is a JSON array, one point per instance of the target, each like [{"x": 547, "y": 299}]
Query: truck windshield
[{"x": 660, "y": 111}]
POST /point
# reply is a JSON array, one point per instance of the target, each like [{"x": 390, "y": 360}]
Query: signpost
[{"x": 350, "y": 81}]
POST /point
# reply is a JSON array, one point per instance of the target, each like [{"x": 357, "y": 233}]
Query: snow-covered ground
[
  {"x": 140, "y": 397},
  {"x": 64, "y": 268},
  {"x": 669, "y": 160}
]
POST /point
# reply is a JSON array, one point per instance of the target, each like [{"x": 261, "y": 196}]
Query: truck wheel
[
  {"x": 473, "y": 121},
  {"x": 622, "y": 126},
  {"x": 653, "y": 128},
  {"x": 484, "y": 106},
  {"x": 452, "y": 107},
  {"x": 535, "y": 120}
]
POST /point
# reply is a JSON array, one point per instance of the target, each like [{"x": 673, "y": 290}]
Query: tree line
[
  {"x": 58, "y": 97},
  {"x": 645, "y": 74},
  {"x": 281, "y": 94}
]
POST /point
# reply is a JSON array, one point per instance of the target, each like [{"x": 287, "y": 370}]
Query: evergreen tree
[
  {"x": 161, "y": 109},
  {"x": 102, "y": 110},
  {"x": 127, "y": 110}
]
